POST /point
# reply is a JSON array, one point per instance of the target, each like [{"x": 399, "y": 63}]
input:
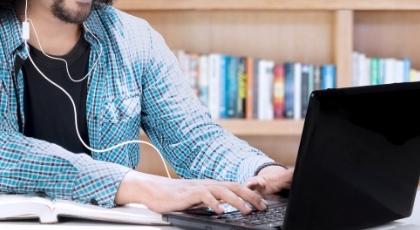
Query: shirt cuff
[
  {"x": 250, "y": 165},
  {"x": 98, "y": 182}
]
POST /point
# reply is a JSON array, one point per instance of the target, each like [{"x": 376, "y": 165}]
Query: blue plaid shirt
[{"x": 137, "y": 83}]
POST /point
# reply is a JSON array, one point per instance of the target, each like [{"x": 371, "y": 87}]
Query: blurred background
[{"x": 254, "y": 63}]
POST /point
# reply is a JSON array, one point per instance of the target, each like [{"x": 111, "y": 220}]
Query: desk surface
[{"x": 412, "y": 223}]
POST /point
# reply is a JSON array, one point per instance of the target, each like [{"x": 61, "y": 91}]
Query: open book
[{"x": 47, "y": 211}]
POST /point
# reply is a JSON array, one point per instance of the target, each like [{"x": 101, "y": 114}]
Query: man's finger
[
  {"x": 223, "y": 193},
  {"x": 248, "y": 195},
  {"x": 210, "y": 201}
]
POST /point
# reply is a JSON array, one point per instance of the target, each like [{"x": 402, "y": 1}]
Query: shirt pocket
[{"x": 122, "y": 108}]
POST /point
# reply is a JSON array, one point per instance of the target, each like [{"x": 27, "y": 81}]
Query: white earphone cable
[
  {"x": 63, "y": 60},
  {"x": 71, "y": 99}
]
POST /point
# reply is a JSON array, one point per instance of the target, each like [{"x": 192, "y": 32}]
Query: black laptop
[{"x": 358, "y": 165}]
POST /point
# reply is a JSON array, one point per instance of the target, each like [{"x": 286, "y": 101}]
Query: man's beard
[{"x": 69, "y": 16}]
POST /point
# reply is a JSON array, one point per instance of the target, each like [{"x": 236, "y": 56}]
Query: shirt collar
[
  {"x": 11, "y": 34},
  {"x": 94, "y": 24}
]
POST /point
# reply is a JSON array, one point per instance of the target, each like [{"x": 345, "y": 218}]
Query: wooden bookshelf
[
  {"x": 268, "y": 4},
  {"x": 309, "y": 31}
]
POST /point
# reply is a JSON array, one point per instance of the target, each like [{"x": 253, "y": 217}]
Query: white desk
[{"x": 412, "y": 223}]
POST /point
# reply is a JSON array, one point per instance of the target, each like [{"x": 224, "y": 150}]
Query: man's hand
[
  {"x": 271, "y": 179},
  {"x": 165, "y": 195}
]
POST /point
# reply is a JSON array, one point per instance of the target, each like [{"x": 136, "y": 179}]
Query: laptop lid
[{"x": 358, "y": 163}]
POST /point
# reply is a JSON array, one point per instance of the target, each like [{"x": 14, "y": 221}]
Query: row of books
[
  {"x": 376, "y": 70},
  {"x": 252, "y": 88}
]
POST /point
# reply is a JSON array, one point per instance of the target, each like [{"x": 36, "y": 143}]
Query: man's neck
[{"x": 56, "y": 37}]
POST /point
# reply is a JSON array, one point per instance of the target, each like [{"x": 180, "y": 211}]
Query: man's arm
[
  {"x": 182, "y": 128},
  {"x": 28, "y": 165}
]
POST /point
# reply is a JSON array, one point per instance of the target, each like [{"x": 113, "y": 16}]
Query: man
[{"x": 133, "y": 81}]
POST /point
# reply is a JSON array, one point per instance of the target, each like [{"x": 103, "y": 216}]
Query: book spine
[
  {"x": 250, "y": 87},
  {"x": 364, "y": 70},
  {"x": 256, "y": 88},
  {"x": 289, "y": 89},
  {"x": 261, "y": 87},
  {"x": 381, "y": 67},
  {"x": 311, "y": 82},
  {"x": 279, "y": 91},
  {"x": 268, "y": 91},
  {"x": 374, "y": 70},
  {"x": 317, "y": 78},
  {"x": 366, "y": 79},
  {"x": 355, "y": 69},
  {"x": 297, "y": 103},
  {"x": 413, "y": 75},
  {"x": 214, "y": 86},
  {"x": 204, "y": 80},
  {"x": 232, "y": 87},
  {"x": 305, "y": 89},
  {"x": 328, "y": 77},
  {"x": 193, "y": 72},
  {"x": 400, "y": 71},
  {"x": 407, "y": 68},
  {"x": 242, "y": 88},
  {"x": 224, "y": 63}
]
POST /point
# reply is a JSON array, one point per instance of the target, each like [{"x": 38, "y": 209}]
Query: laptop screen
[{"x": 359, "y": 159}]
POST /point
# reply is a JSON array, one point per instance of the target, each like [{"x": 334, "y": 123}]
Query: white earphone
[{"x": 25, "y": 36}]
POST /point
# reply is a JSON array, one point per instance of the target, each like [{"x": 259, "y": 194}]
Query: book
[
  {"x": 255, "y": 87},
  {"x": 268, "y": 91},
  {"x": 15, "y": 207},
  {"x": 390, "y": 71},
  {"x": 242, "y": 88},
  {"x": 297, "y": 105},
  {"x": 250, "y": 87},
  {"x": 355, "y": 68},
  {"x": 224, "y": 72},
  {"x": 278, "y": 90},
  {"x": 399, "y": 71},
  {"x": 203, "y": 80},
  {"x": 317, "y": 78},
  {"x": 265, "y": 80},
  {"x": 307, "y": 85},
  {"x": 231, "y": 92},
  {"x": 328, "y": 76},
  {"x": 193, "y": 72},
  {"x": 407, "y": 69},
  {"x": 374, "y": 71},
  {"x": 214, "y": 85},
  {"x": 381, "y": 71},
  {"x": 289, "y": 91},
  {"x": 414, "y": 75}
]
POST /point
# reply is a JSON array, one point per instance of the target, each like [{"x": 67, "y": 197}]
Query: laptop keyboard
[{"x": 272, "y": 216}]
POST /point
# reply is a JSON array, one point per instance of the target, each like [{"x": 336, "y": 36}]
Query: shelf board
[
  {"x": 242, "y": 127},
  {"x": 263, "y": 128},
  {"x": 133, "y": 5}
]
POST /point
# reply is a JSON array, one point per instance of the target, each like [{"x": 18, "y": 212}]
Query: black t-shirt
[{"x": 48, "y": 112}]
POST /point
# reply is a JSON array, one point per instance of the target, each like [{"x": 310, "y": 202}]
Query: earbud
[{"x": 25, "y": 31}]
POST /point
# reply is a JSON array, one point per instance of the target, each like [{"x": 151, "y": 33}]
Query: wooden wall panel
[
  {"x": 388, "y": 34},
  {"x": 282, "y": 36}
]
